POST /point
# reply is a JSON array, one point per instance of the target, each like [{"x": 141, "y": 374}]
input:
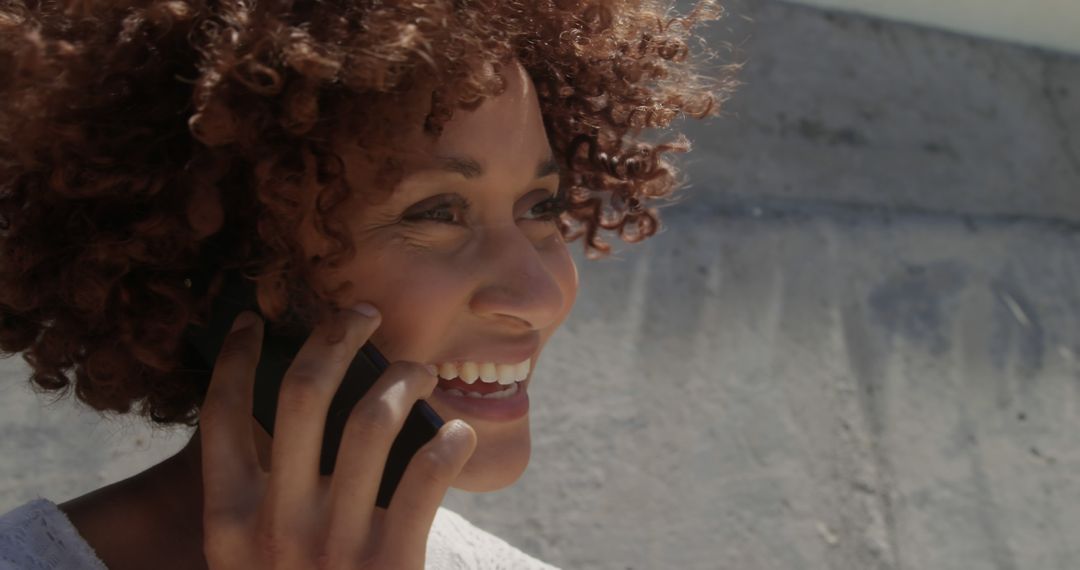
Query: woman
[{"x": 408, "y": 174}]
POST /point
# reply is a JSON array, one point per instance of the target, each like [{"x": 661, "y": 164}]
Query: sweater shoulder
[
  {"x": 454, "y": 543},
  {"x": 37, "y": 535}
]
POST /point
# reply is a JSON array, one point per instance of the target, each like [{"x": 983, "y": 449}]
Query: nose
[{"x": 520, "y": 283}]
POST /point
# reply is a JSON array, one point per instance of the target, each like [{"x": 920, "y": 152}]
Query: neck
[
  {"x": 174, "y": 493},
  {"x": 152, "y": 519},
  {"x": 179, "y": 484}
]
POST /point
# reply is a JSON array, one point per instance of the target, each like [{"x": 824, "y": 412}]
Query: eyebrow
[{"x": 470, "y": 168}]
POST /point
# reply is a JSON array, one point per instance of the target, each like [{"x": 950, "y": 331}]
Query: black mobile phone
[{"x": 281, "y": 343}]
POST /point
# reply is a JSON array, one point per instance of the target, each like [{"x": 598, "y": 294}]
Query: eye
[
  {"x": 450, "y": 210},
  {"x": 447, "y": 210},
  {"x": 549, "y": 210}
]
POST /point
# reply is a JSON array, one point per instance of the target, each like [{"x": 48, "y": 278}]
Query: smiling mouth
[
  {"x": 484, "y": 391},
  {"x": 487, "y": 380}
]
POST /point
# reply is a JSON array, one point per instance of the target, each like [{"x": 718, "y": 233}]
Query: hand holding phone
[
  {"x": 292, "y": 516},
  {"x": 280, "y": 344}
]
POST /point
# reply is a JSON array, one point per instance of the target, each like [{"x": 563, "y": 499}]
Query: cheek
[
  {"x": 419, "y": 301},
  {"x": 422, "y": 294}
]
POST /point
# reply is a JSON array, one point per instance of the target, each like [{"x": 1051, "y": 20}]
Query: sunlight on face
[{"x": 462, "y": 261}]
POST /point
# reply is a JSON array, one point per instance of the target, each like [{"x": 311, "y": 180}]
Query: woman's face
[{"x": 464, "y": 266}]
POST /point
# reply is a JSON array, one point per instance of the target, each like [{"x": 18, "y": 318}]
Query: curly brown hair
[{"x": 122, "y": 120}]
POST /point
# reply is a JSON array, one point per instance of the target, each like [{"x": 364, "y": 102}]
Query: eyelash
[{"x": 552, "y": 208}]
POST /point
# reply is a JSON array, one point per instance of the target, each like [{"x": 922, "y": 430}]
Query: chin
[{"x": 498, "y": 462}]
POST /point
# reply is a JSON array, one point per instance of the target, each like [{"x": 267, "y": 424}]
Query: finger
[
  {"x": 229, "y": 460},
  {"x": 303, "y": 403},
  {"x": 370, "y": 431},
  {"x": 414, "y": 504}
]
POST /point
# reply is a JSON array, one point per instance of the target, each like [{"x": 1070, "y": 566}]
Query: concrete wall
[
  {"x": 854, "y": 347},
  {"x": 1053, "y": 24}
]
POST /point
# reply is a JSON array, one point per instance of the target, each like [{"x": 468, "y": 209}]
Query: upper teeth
[{"x": 489, "y": 372}]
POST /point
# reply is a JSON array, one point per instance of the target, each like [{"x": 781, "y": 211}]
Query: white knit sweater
[{"x": 38, "y": 536}]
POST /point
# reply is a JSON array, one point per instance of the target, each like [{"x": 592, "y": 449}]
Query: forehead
[
  {"x": 508, "y": 124},
  {"x": 502, "y": 130},
  {"x": 504, "y": 136}
]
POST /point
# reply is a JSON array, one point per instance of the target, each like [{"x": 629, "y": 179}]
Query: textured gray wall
[{"x": 855, "y": 346}]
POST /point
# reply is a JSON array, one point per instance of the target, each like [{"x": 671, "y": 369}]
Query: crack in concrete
[{"x": 867, "y": 371}]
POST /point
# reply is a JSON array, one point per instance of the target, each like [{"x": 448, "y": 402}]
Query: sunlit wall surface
[{"x": 1053, "y": 24}]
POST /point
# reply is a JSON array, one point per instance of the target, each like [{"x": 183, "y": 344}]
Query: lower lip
[{"x": 502, "y": 410}]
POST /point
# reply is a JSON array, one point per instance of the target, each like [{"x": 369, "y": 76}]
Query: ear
[{"x": 204, "y": 212}]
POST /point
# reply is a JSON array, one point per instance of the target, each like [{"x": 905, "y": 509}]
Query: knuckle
[
  {"x": 434, "y": 467},
  {"x": 339, "y": 354},
  {"x": 373, "y": 415},
  {"x": 370, "y": 560},
  {"x": 336, "y": 558},
  {"x": 306, "y": 369},
  {"x": 270, "y": 546},
  {"x": 384, "y": 407},
  {"x": 300, "y": 394},
  {"x": 275, "y": 543},
  {"x": 237, "y": 347},
  {"x": 220, "y": 544},
  {"x": 212, "y": 413},
  {"x": 329, "y": 560}
]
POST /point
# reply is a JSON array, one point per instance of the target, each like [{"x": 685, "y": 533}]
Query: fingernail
[
  {"x": 434, "y": 370},
  {"x": 365, "y": 309},
  {"x": 245, "y": 320},
  {"x": 459, "y": 424}
]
